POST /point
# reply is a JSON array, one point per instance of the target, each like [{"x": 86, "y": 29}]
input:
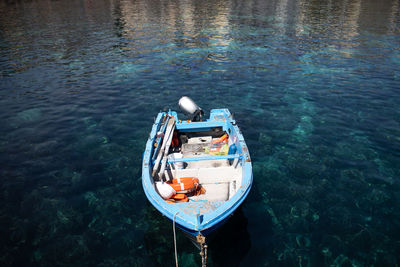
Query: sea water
[{"x": 313, "y": 85}]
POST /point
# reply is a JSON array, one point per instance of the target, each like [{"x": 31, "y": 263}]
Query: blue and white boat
[{"x": 184, "y": 148}]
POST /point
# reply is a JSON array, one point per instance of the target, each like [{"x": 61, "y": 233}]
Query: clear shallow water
[{"x": 314, "y": 87}]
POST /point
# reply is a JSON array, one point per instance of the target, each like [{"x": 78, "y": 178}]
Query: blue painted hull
[{"x": 204, "y": 217}]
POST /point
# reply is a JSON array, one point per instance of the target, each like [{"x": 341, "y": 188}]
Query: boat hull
[{"x": 200, "y": 217}]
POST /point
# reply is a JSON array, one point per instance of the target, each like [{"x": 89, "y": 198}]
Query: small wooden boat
[{"x": 195, "y": 172}]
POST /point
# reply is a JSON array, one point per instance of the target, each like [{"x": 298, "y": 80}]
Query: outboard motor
[{"x": 188, "y": 106}]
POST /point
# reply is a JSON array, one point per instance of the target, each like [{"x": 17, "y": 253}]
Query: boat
[{"x": 196, "y": 172}]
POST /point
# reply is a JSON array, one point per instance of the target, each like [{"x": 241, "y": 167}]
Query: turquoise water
[{"x": 314, "y": 86}]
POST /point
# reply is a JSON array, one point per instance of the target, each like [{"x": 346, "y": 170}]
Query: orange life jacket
[
  {"x": 178, "y": 198},
  {"x": 184, "y": 184}
]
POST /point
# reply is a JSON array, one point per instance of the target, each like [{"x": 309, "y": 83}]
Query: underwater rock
[
  {"x": 264, "y": 139},
  {"x": 93, "y": 141},
  {"x": 76, "y": 178},
  {"x": 48, "y": 147},
  {"x": 89, "y": 122},
  {"x": 331, "y": 245},
  {"x": 188, "y": 259},
  {"x": 352, "y": 174},
  {"x": 274, "y": 218},
  {"x": 303, "y": 240},
  {"x": 127, "y": 71},
  {"x": 62, "y": 217},
  {"x": 268, "y": 170},
  {"x": 340, "y": 220},
  {"x": 362, "y": 240},
  {"x": 386, "y": 257},
  {"x": 378, "y": 197},
  {"x": 69, "y": 250},
  {"x": 265, "y": 142},
  {"x": 292, "y": 256},
  {"x": 315, "y": 217},
  {"x": 91, "y": 198},
  {"x": 19, "y": 231},
  {"x": 300, "y": 209},
  {"x": 299, "y": 191},
  {"x": 30, "y": 201},
  {"x": 29, "y": 115},
  {"x": 299, "y": 217},
  {"x": 344, "y": 261},
  {"x": 24, "y": 118},
  {"x": 349, "y": 151},
  {"x": 326, "y": 252},
  {"x": 37, "y": 255},
  {"x": 304, "y": 166},
  {"x": 304, "y": 128}
]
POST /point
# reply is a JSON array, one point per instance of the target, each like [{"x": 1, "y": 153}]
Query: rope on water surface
[{"x": 176, "y": 252}]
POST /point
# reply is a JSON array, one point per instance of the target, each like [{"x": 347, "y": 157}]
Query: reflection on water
[{"x": 313, "y": 86}]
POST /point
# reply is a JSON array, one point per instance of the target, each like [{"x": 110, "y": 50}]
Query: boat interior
[{"x": 220, "y": 178}]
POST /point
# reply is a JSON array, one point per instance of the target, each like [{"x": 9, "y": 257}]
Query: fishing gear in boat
[
  {"x": 159, "y": 136},
  {"x": 167, "y": 140}
]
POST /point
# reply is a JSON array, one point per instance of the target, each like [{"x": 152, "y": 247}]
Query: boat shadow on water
[{"x": 227, "y": 246}]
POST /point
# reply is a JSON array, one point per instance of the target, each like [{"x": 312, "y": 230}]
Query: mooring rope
[
  {"x": 176, "y": 252},
  {"x": 203, "y": 254},
  {"x": 201, "y": 240}
]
